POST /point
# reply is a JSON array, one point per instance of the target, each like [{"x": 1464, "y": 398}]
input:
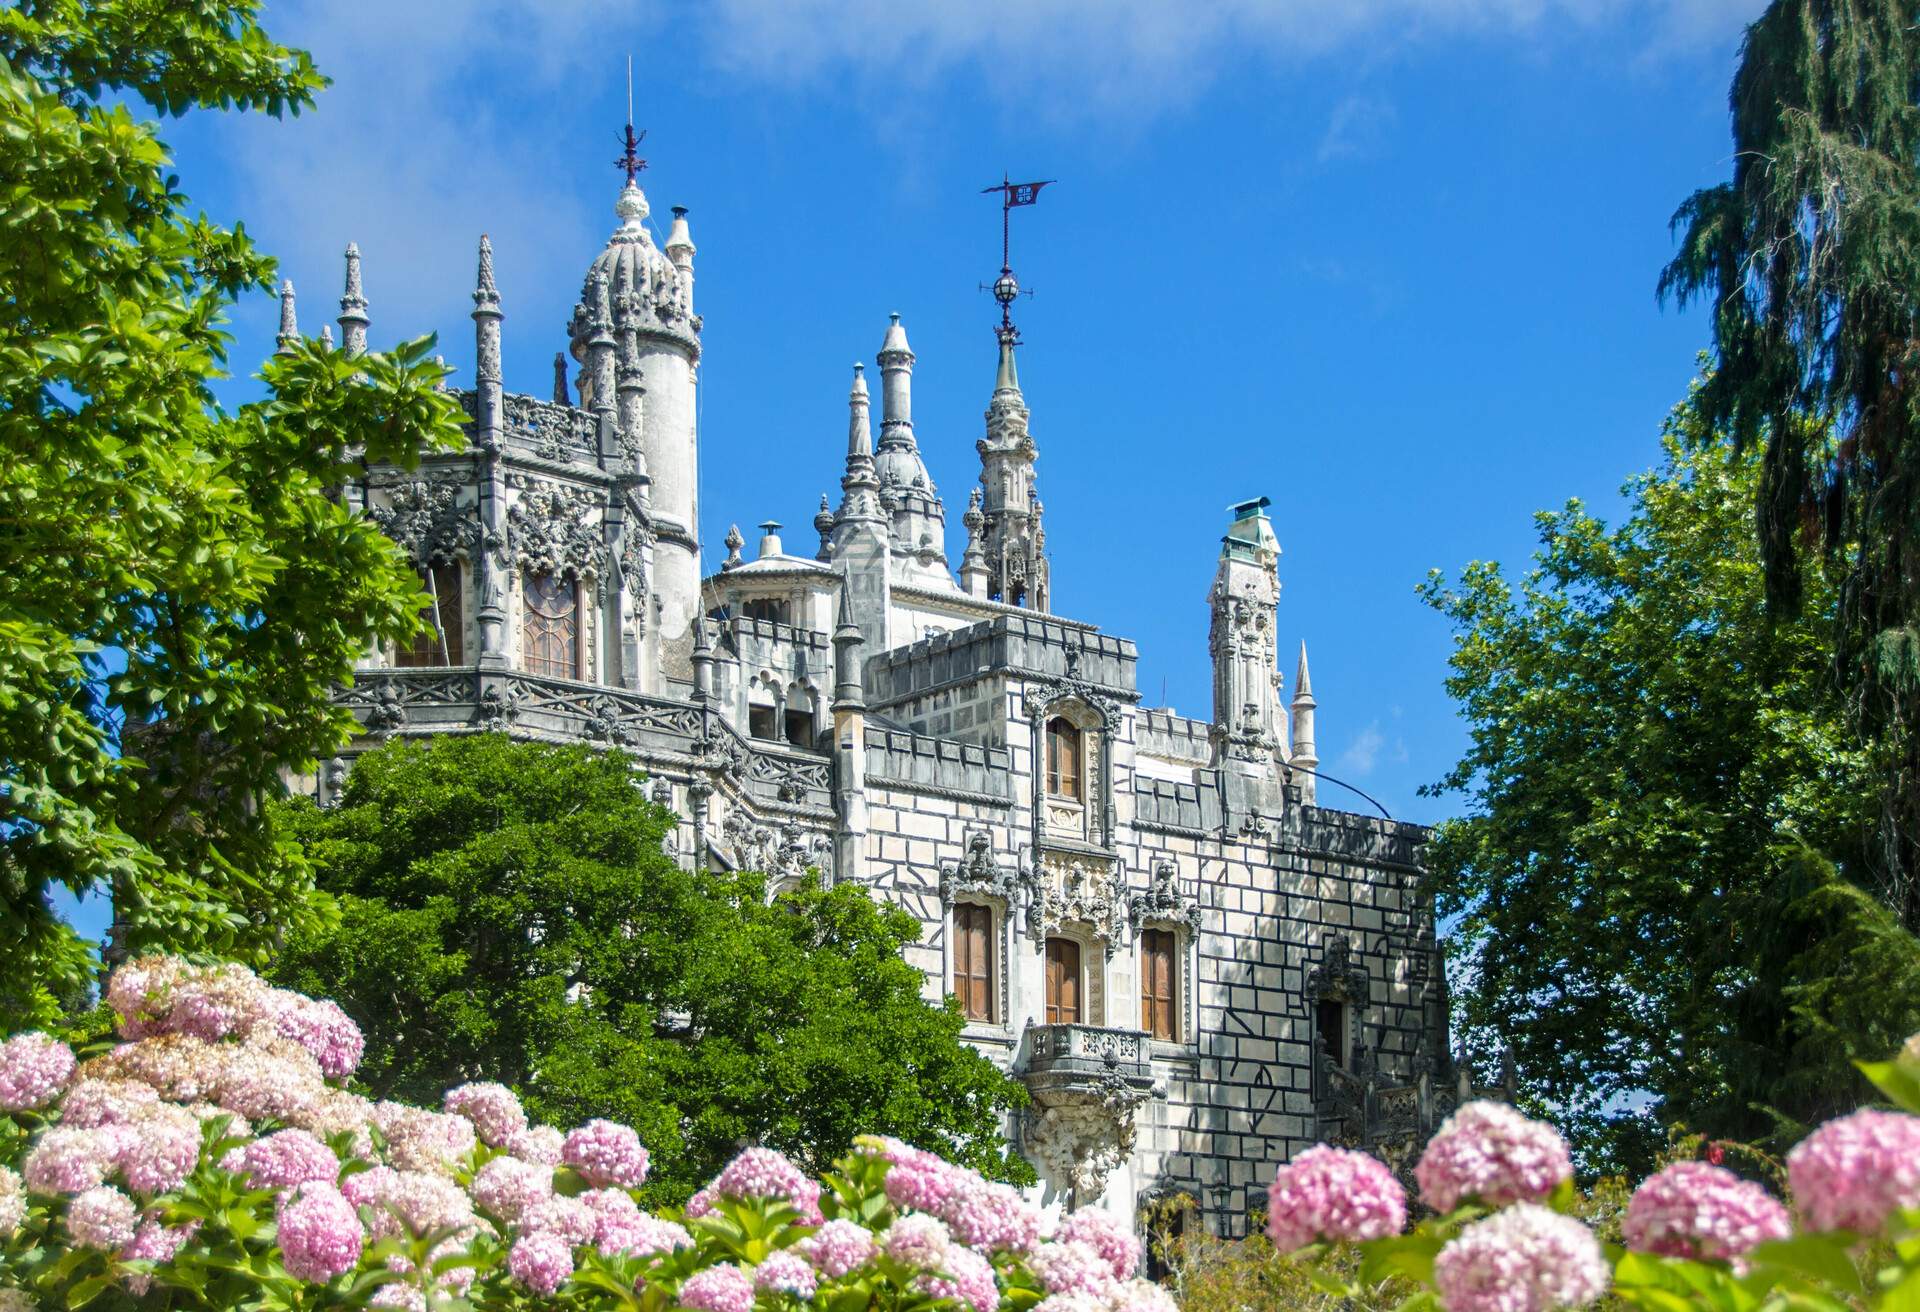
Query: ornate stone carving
[
  {"x": 429, "y": 522},
  {"x": 1082, "y": 889},
  {"x": 977, "y": 873},
  {"x": 1338, "y": 975},
  {"x": 550, "y": 528},
  {"x": 499, "y": 707},
  {"x": 1081, "y": 1141},
  {"x": 783, "y": 853},
  {"x": 389, "y": 711},
  {"x": 1164, "y": 900},
  {"x": 333, "y": 781},
  {"x": 552, "y": 432},
  {"x": 605, "y": 724}
]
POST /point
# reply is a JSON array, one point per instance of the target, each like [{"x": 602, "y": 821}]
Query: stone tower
[
  {"x": 1245, "y": 595},
  {"x": 906, "y": 490},
  {"x": 636, "y": 307},
  {"x": 1011, "y": 541}
]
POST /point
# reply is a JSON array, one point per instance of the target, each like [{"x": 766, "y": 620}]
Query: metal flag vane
[
  {"x": 630, "y": 158},
  {"x": 1006, "y": 288}
]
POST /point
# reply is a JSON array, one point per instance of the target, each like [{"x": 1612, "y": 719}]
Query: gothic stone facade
[{"x": 1195, "y": 968}]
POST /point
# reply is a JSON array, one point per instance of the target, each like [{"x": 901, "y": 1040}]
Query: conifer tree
[{"x": 1809, "y": 262}]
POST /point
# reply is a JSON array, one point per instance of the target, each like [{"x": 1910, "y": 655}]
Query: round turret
[{"x": 645, "y": 291}]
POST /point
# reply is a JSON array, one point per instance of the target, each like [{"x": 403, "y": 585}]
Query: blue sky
[{"x": 1388, "y": 262}]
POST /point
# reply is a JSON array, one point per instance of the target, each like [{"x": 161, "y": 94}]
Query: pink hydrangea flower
[
  {"x": 320, "y": 1233},
  {"x": 606, "y": 1152},
  {"x": 271, "y": 1080},
  {"x": 967, "y": 1278},
  {"x": 1490, "y": 1152},
  {"x": 839, "y": 1247},
  {"x": 94, "y": 1102},
  {"x": 287, "y": 1158},
  {"x": 986, "y": 1215},
  {"x": 220, "y": 1002},
  {"x": 641, "y": 1235},
  {"x": 718, "y": 1289},
  {"x": 1072, "y": 1269},
  {"x": 1102, "y": 1232},
  {"x": 1143, "y": 1296},
  {"x": 701, "y": 1204},
  {"x": 414, "y": 1202},
  {"x": 541, "y": 1261},
  {"x": 924, "y": 1181},
  {"x": 139, "y": 993},
  {"x": 370, "y": 1187},
  {"x": 786, "y": 1272},
  {"x": 494, "y": 1110},
  {"x": 1523, "y": 1259},
  {"x": 102, "y": 1217},
  {"x": 507, "y": 1187},
  {"x": 71, "y": 1161},
  {"x": 13, "y": 1201},
  {"x": 1696, "y": 1210},
  {"x": 764, "y": 1173},
  {"x": 1332, "y": 1193},
  {"x": 1074, "y": 1301},
  {"x": 917, "y": 1241},
  {"x": 34, "y": 1068},
  {"x": 537, "y": 1143},
  {"x": 161, "y": 1148},
  {"x": 420, "y": 1140},
  {"x": 1854, "y": 1172},
  {"x": 571, "y": 1219},
  {"x": 156, "y": 1243},
  {"x": 327, "y": 1032}
]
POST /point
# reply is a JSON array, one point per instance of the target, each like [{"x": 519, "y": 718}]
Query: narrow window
[
  {"x": 973, "y": 960},
  {"x": 550, "y": 634},
  {"x": 1063, "y": 982},
  {"x": 1063, "y": 759},
  {"x": 1330, "y": 1030},
  {"x": 760, "y": 723},
  {"x": 800, "y": 728},
  {"x": 1159, "y": 1014},
  {"x": 441, "y": 645}
]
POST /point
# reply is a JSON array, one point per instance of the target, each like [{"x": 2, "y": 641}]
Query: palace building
[{"x": 1195, "y": 967}]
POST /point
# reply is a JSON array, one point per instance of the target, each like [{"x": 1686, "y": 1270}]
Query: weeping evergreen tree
[{"x": 1809, "y": 260}]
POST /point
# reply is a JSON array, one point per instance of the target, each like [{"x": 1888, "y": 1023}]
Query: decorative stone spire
[
  {"x": 702, "y": 659},
  {"x": 859, "y": 487},
  {"x": 353, "y": 307},
  {"x": 849, "y": 690},
  {"x": 973, "y": 566},
  {"x": 1305, "y": 755},
  {"x": 1246, "y": 590},
  {"x": 823, "y": 525},
  {"x": 486, "y": 318},
  {"x": 326, "y": 337},
  {"x": 733, "y": 542},
  {"x": 289, "y": 334},
  {"x": 1013, "y": 543},
  {"x": 560, "y": 396},
  {"x": 919, "y": 519}
]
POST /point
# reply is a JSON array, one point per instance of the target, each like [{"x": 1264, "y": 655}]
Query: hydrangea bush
[
  {"x": 215, "y": 1158},
  {"x": 1500, "y": 1234}
]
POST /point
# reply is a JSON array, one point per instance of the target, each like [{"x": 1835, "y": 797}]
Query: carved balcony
[
  {"x": 1075, "y": 1062},
  {"x": 1088, "y": 1082}
]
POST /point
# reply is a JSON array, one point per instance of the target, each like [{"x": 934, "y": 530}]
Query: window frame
[
  {"x": 987, "y": 974},
  {"x": 1050, "y": 1003},
  {"x": 445, "y": 645},
  {"x": 1065, "y": 741},
  {"x": 1170, "y": 1003},
  {"x": 574, "y": 618}
]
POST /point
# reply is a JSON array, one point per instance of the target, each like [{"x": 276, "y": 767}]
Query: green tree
[
  {"x": 180, "y": 593},
  {"x": 507, "y": 912},
  {"x": 1655, "y": 763},
  {"x": 1809, "y": 259}
]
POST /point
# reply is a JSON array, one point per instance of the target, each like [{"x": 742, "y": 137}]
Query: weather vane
[
  {"x": 630, "y": 158},
  {"x": 1006, "y": 287}
]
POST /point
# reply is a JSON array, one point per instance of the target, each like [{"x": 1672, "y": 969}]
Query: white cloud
[
  {"x": 1145, "y": 54},
  {"x": 1363, "y": 753},
  {"x": 1357, "y": 127}
]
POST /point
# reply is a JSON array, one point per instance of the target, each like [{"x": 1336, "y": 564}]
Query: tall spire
[
  {"x": 289, "y": 333},
  {"x": 353, "y": 307},
  {"x": 1305, "y": 754},
  {"x": 486, "y": 317}
]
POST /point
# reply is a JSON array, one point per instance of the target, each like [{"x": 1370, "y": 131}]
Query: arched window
[
  {"x": 441, "y": 644},
  {"x": 1063, "y": 982},
  {"x": 973, "y": 960},
  {"x": 765, "y": 608},
  {"x": 550, "y": 633},
  {"x": 1063, "y": 759}
]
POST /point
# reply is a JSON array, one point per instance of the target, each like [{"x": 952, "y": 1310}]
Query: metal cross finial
[{"x": 630, "y": 158}]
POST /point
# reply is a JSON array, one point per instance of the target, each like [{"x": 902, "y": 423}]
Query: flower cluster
[
  {"x": 1523, "y": 1259},
  {"x": 1490, "y": 1153},
  {"x": 1855, "y": 1172},
  {"x": 1697, "y": 1210},
  {"x": 34, "y": 1068},
  {"x": 1336, "y": 1194}
]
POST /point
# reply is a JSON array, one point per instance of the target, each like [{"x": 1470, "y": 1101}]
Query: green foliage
[
  {"x": 506, "y": 912},
  {"x": 1809, "y": 262},
  {"x": 181, "y": 594},
  {"x": 1655, "y": 759}
]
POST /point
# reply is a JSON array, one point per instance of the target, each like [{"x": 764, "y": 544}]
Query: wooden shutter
[
  {"x": 549, "y": 634},
  {"x": 973, "y": 960},
  {"x": 1158, "y": 996},
  {"x": 1063, "y": 759},
  {"x": 1063, "y": 982}
]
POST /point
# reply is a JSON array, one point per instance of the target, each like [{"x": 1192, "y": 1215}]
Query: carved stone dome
[{"x": 643, "y": 288}]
